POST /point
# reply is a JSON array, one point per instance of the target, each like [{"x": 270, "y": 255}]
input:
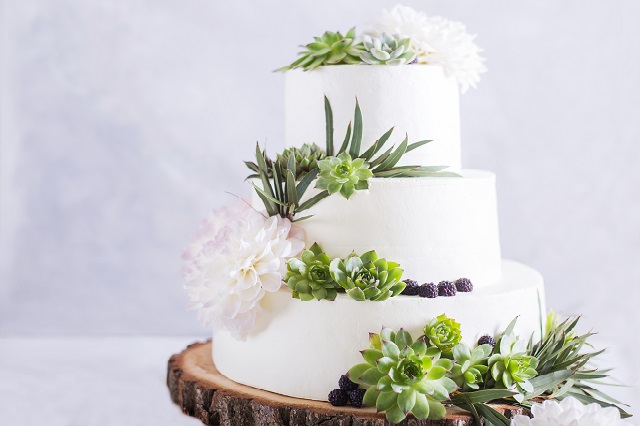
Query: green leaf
[
  {"x": 371, "y": 355},
  {"x": 370, "y": 397},
  {"x": 546, "y": 382},
  {"x": 328, "y": 114},
  {"x": 415, "y": 145},
  {"x": 393, "y": 159},
  {"x": 356, "y": 372},
  {"x": 264, "y": 194},
  {"x": 377, "y": 146},
  {"x": 406, "y": 400},
  {"x": 480, "y": 396},
  {"x": 492, "y": 415},
  {"x": 371, "y": 376},
  {"x": 390, "y": 349},
  {"x": 347, "y": 138},
  {"x": 312, "y": 201},
  {"x": 403, "y": 338},
  {"x": 421, "y": 407},
  {"x": 356, "y": 140},
  {"x": 290, "y": 187},
  {"x": 386, "y": 400},
  {"x": 395, "y": 414}
]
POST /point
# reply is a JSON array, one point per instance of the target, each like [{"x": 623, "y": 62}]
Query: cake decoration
[
  {"x": 309, "y": 277},
  {"x": 464, "y": 285},
  {"x": 437, "y": 41},
  {"x": 385, "y": 49},
  {"x": 402, "y": 376},
  {"x": 569, "y": 412},
  {"x": 238, "y": 256},
  {"x": 446, "y": 289},
  {"x": 428, "y": 290},
  {"x": 367, "y": 277},
  {"x": 401, "y": 36}
]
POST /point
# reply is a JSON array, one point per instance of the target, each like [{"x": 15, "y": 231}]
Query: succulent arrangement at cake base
[{"x": 402, "y": 376}]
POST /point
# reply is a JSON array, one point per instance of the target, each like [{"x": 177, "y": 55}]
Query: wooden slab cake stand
[{"x": 202, "y": 392}]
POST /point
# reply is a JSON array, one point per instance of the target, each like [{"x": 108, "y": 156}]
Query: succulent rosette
[
  {"x": 309, "y": 277},
  {"x": 471, "y": 365},
  {"x": 344, "y": 175},
  {"x": 402, "y": 376},
  {"x": 367, "y": 277},
  {"x": 306, "y": 158},
  {"x": 386, "y": 49},
  {"x": 512, "y": 367},
  {"x": 332, "y": 48},
  {"x": 443, "y": 332}
]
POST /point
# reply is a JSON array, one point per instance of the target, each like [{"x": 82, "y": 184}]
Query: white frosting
[
  {"x": 436, "y": 228},
  {"x": 419, "y": 100},
  {"x": 303, "y": 347}
]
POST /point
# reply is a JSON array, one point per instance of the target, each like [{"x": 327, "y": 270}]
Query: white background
[{"x": 123, "y": 123}]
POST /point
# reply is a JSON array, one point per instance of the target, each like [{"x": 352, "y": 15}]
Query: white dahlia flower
[
  {"x": 237, "y": 256},
  {"x": 569, "y": 412},
  {"x": 437, "y": 41}
]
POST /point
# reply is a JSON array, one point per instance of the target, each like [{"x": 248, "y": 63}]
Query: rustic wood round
[{"x": 202, "y": 392}]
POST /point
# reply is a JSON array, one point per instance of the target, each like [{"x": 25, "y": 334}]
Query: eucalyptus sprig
[{"x": 280, "y": 192}]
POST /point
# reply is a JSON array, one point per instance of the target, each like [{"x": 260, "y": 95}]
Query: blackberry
[
  {"x": 338, "y": 397},
  {"x": 355, "y": 397},
  {"x": 487, "y": 340},
  {"x": 411, "y": 289},
  {"x": 446, "y": 288},
  {"x": 464, "y": 285},
  {"x": 345, "y": 384},
  {"x": 428, "y": 290}
]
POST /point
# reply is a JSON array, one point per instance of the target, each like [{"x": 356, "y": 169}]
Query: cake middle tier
[{"x": 436, "y": 228}]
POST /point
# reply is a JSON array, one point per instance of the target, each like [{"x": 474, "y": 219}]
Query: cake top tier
[{"x": 406, "y": 70}]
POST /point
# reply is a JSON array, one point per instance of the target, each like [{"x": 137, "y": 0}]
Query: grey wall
[{"x": 122, "y": 123}]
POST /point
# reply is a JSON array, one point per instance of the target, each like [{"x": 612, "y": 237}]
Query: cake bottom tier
[{"x": 301, "y": 349}]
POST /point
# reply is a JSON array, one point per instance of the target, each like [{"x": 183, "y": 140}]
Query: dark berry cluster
[
  {"x": 446, "y": 289},
  {"x": 487, "y": 340},
  {"x": 347, "y": 393},
  {"x": 411, "y": 289},
  {"x": 443, "y": 288}
]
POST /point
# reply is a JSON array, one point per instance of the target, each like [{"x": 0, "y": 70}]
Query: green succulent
[
  {"x": 343, "y": 175},
  {"x": 512, "y": 367},
  {"x": 306, "y": 158},
  {"x": 330, "y": 49},
  {"x": 367, "y": 277},
  {"x": 402, "y": 376},
  {"x": 305, "y": 161},
  {"x": 387, "y": 49},
  {"x": 471, "y": 365},
  {"x": 309, "y": 276},
  {"x": 443, "y": 332}
]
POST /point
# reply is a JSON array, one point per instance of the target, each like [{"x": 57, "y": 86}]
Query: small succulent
[
  {"x": 343, "y": 175},
  {"x": 511, "y": 367},
  {"x": 367, "y": 277},
  {"x": 387, "y": 49},
  {"x": 330, "y": 49},
  {"x": 443, "y": 332},
  {"x": 305, "y": 160},
  {"x": 471, "y": 365},
  {"x": 403, "y": 376},
  {"x": 309, "y": 276}
]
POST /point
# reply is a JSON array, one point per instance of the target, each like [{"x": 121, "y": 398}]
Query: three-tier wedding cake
[{"x": 368, "y": 221}]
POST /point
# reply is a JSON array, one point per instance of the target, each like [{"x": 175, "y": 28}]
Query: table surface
[{"x": 104, "y": 381}]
